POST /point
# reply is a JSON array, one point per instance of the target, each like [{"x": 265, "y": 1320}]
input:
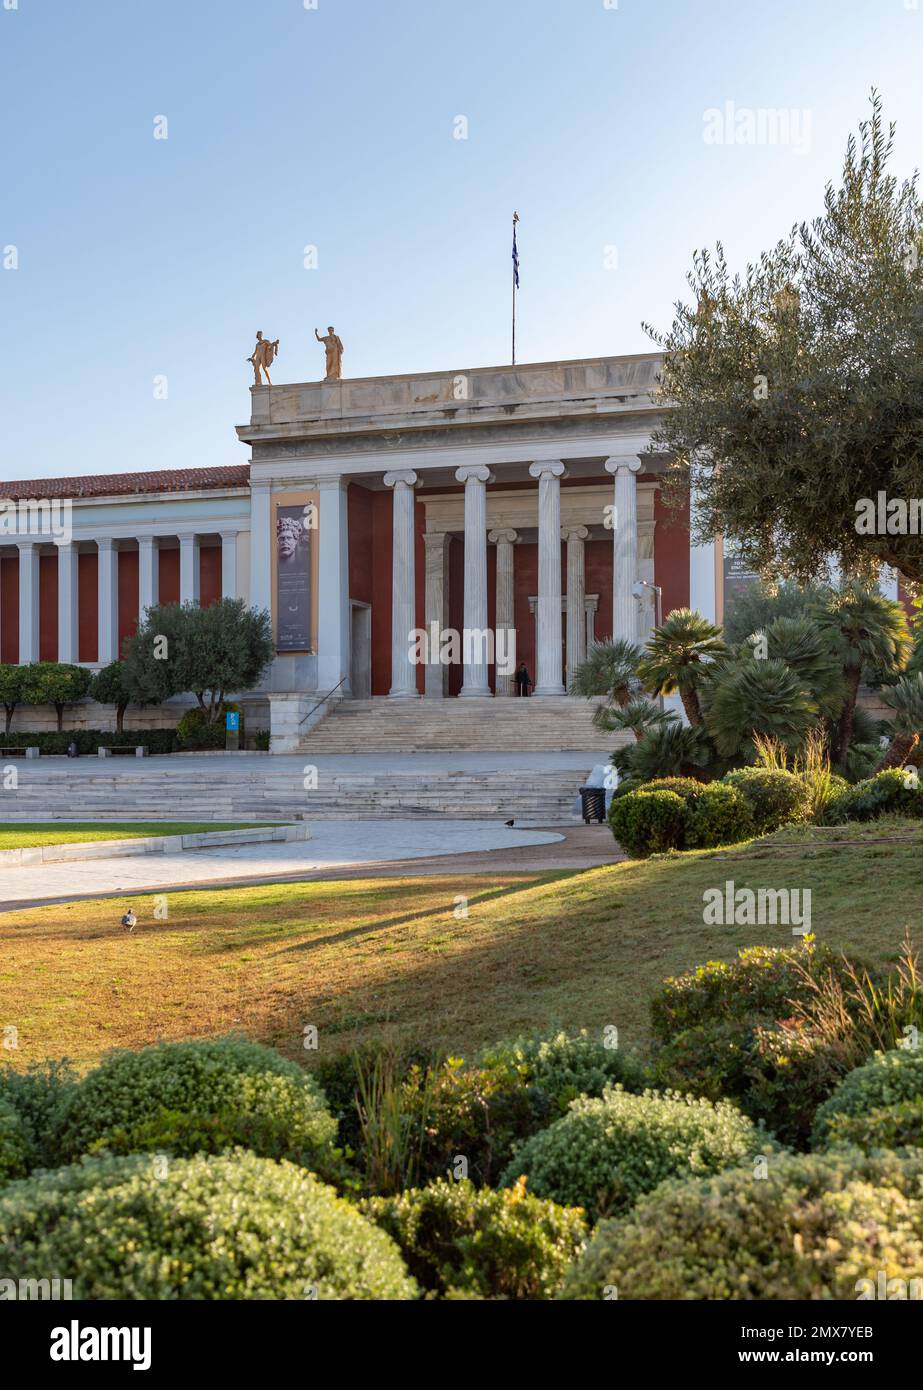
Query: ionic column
[
  {"x": 576, "y": 596},
  {"x": 189, "y": 569},
  {"x": 333, "y": 587},
  {"x": 148, "y": 575},
  {"x": 436, "y": 612},
  {"x": 67, "y": 603},
  {"x": 505, "y": 619},
  {"x": 475, "y": 479},
  {"x": 228, "y": 564},
  {"x": 403, "y": 586},
  {"x": 548, "y": 613},
  {"x": 28, "y": 602},
  {"x": 107, "y": 590},
  {"x": 624, "y": 547},
  {"x": 703, "y": 578}
]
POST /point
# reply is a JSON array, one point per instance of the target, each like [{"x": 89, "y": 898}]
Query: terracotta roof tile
[{"x": 121, "y": 484}]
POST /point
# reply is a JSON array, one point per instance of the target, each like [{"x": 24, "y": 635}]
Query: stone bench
[
  {"x": 31, "y": 752},
  {"x": 136, "y": 750}
]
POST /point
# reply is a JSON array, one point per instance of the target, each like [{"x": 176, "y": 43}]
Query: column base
[
  {"x": 541, "y": 690},
  {"x": 475, "y": 692},
  {"x": 403, "y": 694}
]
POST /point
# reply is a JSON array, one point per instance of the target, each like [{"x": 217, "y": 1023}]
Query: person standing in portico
[{"x": 522, "y": 679}]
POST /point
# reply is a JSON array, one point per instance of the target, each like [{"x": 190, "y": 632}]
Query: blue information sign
[{"x": 232, "y": 722}]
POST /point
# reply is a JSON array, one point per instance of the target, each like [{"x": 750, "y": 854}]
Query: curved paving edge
[{"x": 149, "y": 844}]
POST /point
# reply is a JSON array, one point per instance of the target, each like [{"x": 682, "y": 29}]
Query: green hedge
[
  {"x": 878, "y": 1105},
  {"x": 236, "y": 1227},
  {"x": 89, "y": 740},
  {"x": 40, "y": 1096},
  {"x": 16, "y": 1152},
  {"x": 718, "y": 815},
  {"x": 885, "y": 793},
  {"x": 606, "y": 1152},
  {"x": 809, "y": 1227},
  {"x": 458, "y": 1239},
  {"x": 648, "y": 822},
  {"x": 201, "y": 1097},
  {"x": 721, "y": 1030},
  {"x": 775, "y": 797}
]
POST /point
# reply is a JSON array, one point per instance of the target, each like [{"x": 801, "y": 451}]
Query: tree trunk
[
  {"x": 9, "y": 710},
  {"x": 844, "y": 728},
  {"x": 59, "y": 711},
  {"x": 691, "y": 705},
  {"x": 902, "y": 745},
  {"x": 120, "y": 718}
]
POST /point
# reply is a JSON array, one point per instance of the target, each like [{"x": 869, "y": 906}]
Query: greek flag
[{"x": 515, "y": 256}]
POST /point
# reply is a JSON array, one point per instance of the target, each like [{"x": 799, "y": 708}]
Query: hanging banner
[{"x": 293, "y": 565}]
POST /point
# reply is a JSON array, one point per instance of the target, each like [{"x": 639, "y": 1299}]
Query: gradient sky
[{"x": 334, "y": 127}]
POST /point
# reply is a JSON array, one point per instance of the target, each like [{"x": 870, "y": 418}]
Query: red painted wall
[
  {"x": 88, "y": 612},
  {"x": 671, "y": 556},
  {"x": 359, "y": 522},
  {"x": 169, "y": 576},
  {"x": 128, "y": 595},
  {"x": 48, "y": 607},
  {"x": 209, "y": 575},
  {"x": 9, "y": 609}
]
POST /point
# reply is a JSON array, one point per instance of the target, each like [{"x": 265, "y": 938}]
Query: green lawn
[
  {"x": 28, "y": 835},
  {"x": 390, "y": 958}
]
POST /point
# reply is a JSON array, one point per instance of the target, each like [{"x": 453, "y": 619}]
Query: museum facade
[{"x": 517, "y": 507}]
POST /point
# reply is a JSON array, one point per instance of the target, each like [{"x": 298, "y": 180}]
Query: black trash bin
[{"x": 593, "y": 801}]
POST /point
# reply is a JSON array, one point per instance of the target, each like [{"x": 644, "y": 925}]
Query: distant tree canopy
[
  {"x": 798, "y": 387},
  {"x": 55, "y": 683},
  {"x": 211, "y": 652}
]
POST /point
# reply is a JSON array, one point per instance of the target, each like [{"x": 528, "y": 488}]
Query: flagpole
[{"x": 515, "y": 270}]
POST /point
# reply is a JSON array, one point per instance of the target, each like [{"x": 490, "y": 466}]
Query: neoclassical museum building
[{"x": 485, "y": 501}]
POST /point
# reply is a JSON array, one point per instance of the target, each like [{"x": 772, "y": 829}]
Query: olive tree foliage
[
  {"x": 57, "y": 683},
  {"x": 797, "y": 387},
  {"x": 212, "y": 652}
]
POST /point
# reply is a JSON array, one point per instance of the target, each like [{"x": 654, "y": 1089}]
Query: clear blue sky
[{"x": 334, "y": 127}]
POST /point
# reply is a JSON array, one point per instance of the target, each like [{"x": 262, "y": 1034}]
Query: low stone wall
[{"x": 87, "y": 714}]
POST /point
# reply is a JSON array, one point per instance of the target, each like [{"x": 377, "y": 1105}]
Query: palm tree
[
  {"x": 906, "y": 700},
  {"x": 867, "y": 629},
  {"x": 675, "y": 656},
  {"x": 636, "y": 717},
  {"x": 758, "y": 697},
  {"x": 610, "y": 669},
  {"x": 805, "y": 648}
]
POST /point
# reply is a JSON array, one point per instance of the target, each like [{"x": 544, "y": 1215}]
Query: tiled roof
[{"x": 118, "y": 484}]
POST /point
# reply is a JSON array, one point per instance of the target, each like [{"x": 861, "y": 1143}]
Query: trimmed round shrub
[
  {"x": 16, "y": 1153},
  {"x": 878, "y": 1105},
  {"x": 200, "y": 1097},
  {"x": 464, "y": 1240},
  {"x": 719, "y": 815},
  {"x": 559, "y": 1068},
  {"x": 685, "y": 787},
  {"x": 647, "y": 823},
  {"x": 812, "y": 1227},
  {"x": 775, "y": 797},
  {"x": 232, "y": 1227},
  {"x": 605, "y": 1153}
]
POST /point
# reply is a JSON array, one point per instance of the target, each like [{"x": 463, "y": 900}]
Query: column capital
[
  {"x": 26, "y": 545},
  {"x": 105, "y": 542},
  {"x": 434, "y": 539},
  {"x": 574, "y": 533},
  {"x": 547, "y": 468},
  {"x": 331, "y": 484},
  {"x": 629, "y": 461},
  {"x": 230, "y": 535},
  {"x": 505, "y": 533},
  {"x": 473, "y": 473},
  {"x": 401, "y": 475}
]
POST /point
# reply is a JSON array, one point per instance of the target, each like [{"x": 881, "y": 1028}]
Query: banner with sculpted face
[{"x": 293, "y": 565}]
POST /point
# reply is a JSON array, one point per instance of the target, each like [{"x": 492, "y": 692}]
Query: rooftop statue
[
  {"x": 334, "y": 350},
  {"x": 263, "y": 354}
]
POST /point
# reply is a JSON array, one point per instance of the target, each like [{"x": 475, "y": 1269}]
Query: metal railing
[{"x": 322, "y": 701}]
